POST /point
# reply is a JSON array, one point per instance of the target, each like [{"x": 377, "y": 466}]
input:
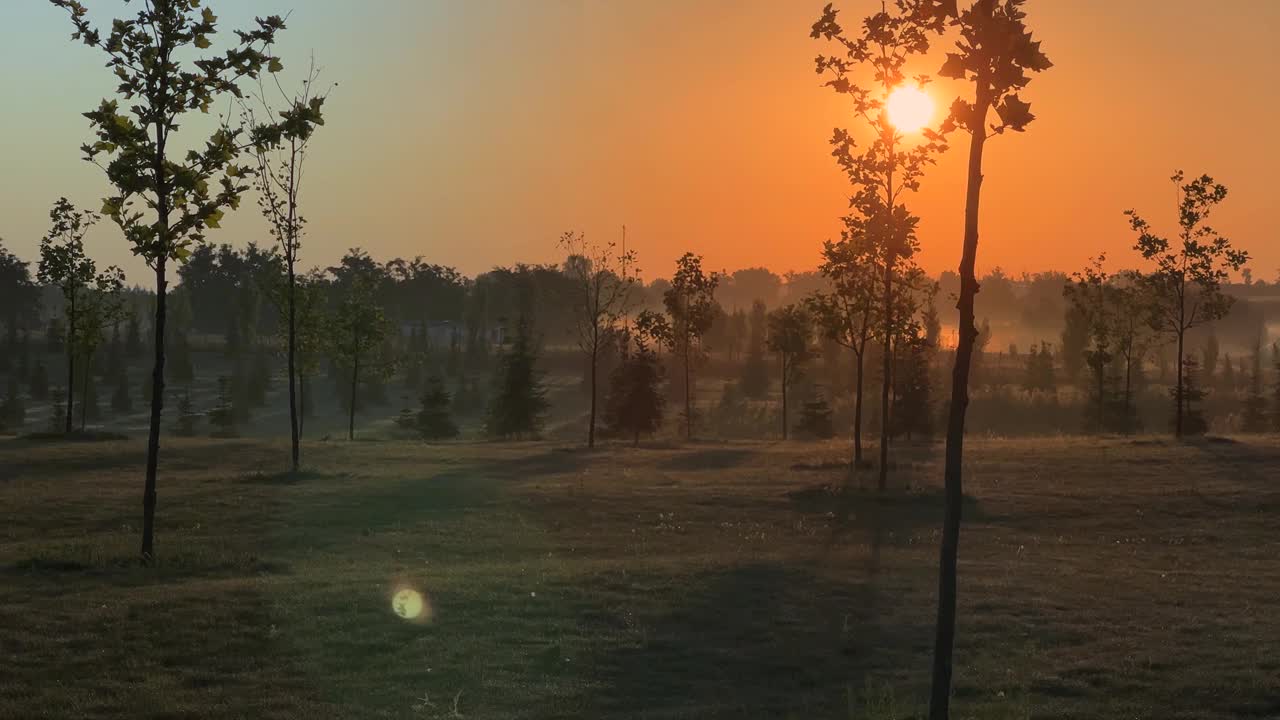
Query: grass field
[{"x": 1112, "y": 578}]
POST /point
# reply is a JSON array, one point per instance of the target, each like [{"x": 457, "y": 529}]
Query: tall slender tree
[
  {"x": 64, "y": 265},
  {"x": 690, "y": 305},
  {"x": 102, "y": 307},
  {"x": 359, "y": 328},
  {"x": 1185, "y": 284},
  {"x": 166, "y": 199},
  {"x": 280, "y": 143},
  {"x": 600, "y": 295},
  {"x": 994, "y": 54},
  {"x": 847, "y": 313},
  {"x": 790, "y": 335},
  {"x": 870, "y": 70}
]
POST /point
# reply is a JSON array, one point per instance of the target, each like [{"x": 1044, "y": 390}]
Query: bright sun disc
[{"x": 909, "y": 108}]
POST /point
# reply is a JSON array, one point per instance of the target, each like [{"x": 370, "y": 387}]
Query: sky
[{"x": 473, "y": 133}]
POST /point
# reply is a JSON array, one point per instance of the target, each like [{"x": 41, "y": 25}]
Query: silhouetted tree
[
  {"x": 887, "y": 167},
  {"x": 280, "y": 142},
  {"x": 133, "y": 337},
  {"x": 433, "y": 421},
  {"x": 19, "y": 297},
  {"x": 121, "y": 398},
  {"x": 1254, "y": 417},
  {"x": 600, "y": 295},
  {"x": 755, "y": 369},
  {"x": 14, "y": 411},
  {"x": 635, "y": 404},
  {"x": 64, "y": 265},
  {"x": 994, "y": 54},
  {"x": 1209, "y": 358},
  {"x": 690, "y": 306},
  {"x": 167, "y": 196},
  {"x": 1275, "y": 387},
  {"x": 815, "y": 419},
  {"x": 358, "y": 328},
  {"x": 790, "y": 330},
  {"x": 848, "y": 313},
  {"x": 1185, "y": 287},
  {"x": 1187, "y": 395},
  {"x": 38, "y": 384},
  {"x": 518, "y": 405},
  {"x": 223, "y": 415},
  {"x": 913, "y": 400}
]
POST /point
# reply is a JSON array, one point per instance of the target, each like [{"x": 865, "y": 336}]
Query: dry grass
[{"x": 1100, "y": 578}]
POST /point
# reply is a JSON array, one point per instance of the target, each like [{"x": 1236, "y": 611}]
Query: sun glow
[{"x": 909, "y": 108}]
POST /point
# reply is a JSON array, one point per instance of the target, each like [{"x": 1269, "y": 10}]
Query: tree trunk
[
  {"x": 71, "y": 361},
  {"x": 157, "y": 408},
  {"x": 784, "y": 397},
  {"x": 302, "y": 403},
  {"x": 295, "y": 429},
  {"x": 883, "y": 480},
  {"x": 591, "y": 425},
  {"x": 857, "y": 413},
  {"x": 688, "y": 393},
  {"x": 351, "y": 418},
  {"x": 1179, "y": 391},
  {"x": 944, "y": 641},
  {"x": 84, "y": 393}
]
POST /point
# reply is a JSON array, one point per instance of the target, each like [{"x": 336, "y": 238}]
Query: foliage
[
  {"x": 185, "y": 426},
  {"x": 1185, "y": 283},
  {"x": 635, "y": 404},
  {"x": 433, "y": 421},
  {"x": 815, "y": 419},
  {"x": 1040, "y": 372},
  {"x": 518, "y": 404},
  {"x": 790, "y": 334},
  {"x": 756, "y": 377},
  {"x": 1186, "y": 395}
]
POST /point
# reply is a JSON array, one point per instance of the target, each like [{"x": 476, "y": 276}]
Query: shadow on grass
[
  {"x": 712, "y": 459},
  {"x": 761, "y": 640}
]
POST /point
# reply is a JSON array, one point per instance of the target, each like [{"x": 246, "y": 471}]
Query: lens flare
[
  {"x": 909, "y": 108},
  {"x": 410, "y": 605}
]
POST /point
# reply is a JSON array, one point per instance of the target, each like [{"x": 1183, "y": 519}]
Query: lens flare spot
[
  {"x": 409, "y": 604},
  {"x": 909, "y": 108}
]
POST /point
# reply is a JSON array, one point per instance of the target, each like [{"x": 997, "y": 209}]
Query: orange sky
[{"x": 474, "y": 133}]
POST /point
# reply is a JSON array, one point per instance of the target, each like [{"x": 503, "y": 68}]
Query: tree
[
  {"x": 1185, "y": 286},
  {"x": 13, "y": 413},
  {"x": 790, "y": 330},
  {"x": 358, "y": 328},
  {"x": 635, "y": 404},
  {"x": 1254, "y": 419},
  {"x": 103, "y": 307},
  {"x": 1209, "y": 358},
  {"x": 121, "y": 399},
  {"x": 1092, "y": 295},
  {"x": 165, "y": 200},
  {"x": 1275, "y": 387},
  {"x": 755, "y": 369},
  {"x": 994, "y": 54},
  {"x": 280, "y": 148},
  {"x": 887, "y": 168},
  {"x": 848, "y": 313},
  {"x": 433, "y": 421},
  {"x": 19, "y": 297},
  {"x": 38, "y": 384},
  {"x": 133, "y": 337},
  {"x": 690, "y": 306},
  {"x": 1186, "y": 395},
  {"x": 518, "y": 405},
  {"x": 223, "y": 415},
  {"x": 600, "y": 295},
  {"x": 815, "y": 419},
  {"x": 1039, "y": 373},
  {"x": 187, "y": 417},
  {"x": 64, "y": 265},
  {"x": 913, "y": 400}
]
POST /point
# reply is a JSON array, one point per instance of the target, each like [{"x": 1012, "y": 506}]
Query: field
[{"x": 1116, "y": 578}]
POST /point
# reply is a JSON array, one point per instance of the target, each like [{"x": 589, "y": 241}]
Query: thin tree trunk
[
  {"x": 157, "y": 409},
  {"x": 591, "y": 425},
  {"x": 295, "y": 427},
  {"x": 84, "y": 393},
  {"x": 351, "y": 420},
  {"x": 1179, "y": 392},
  {"x": 71, "y": 361},
  {"x": 883, "y": 480},
  {"x": 302, "y": 402},
  {"x": 688, "y": 393},
  {"x": 944, "y": 641},
  {"x": 857, "y": 412},
  {"x": 784, "y": 397}
]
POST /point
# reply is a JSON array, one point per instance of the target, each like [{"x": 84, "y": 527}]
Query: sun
[{"x": 909, "y": 108}]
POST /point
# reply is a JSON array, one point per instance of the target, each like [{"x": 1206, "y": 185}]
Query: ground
[{"x": 1117, "y": 578}]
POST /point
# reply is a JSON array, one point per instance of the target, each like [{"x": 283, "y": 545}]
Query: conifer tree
[
  {"x": 433, "y": 421},
  {"x": 187, "y": 417},
  {"x": 518, "y": 405},
  {"x": 14, "y": 411},
  {"x": 121, "y": 399},
  {"x": 1254, "y": 417},
  {"x": 223, "y": 415},
  {"x": 38, "y": 384},
  {"x": 1186, "y": 397},
  {"x": 635, "y": 405}
]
